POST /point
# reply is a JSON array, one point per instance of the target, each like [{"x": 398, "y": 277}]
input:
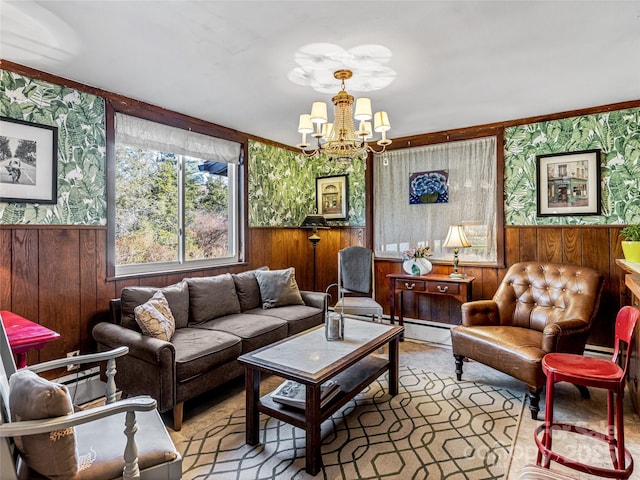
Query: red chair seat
[{"x": 577, "y": 368}]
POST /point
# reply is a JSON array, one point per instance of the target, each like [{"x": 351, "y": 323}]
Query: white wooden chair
[{"x": 122, "y": 439}]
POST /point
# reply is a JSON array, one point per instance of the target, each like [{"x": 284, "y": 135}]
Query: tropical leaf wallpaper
[
  {"x": 616, "y": 134},
  {"x": 282, "y": 186},
  {"x": 81, "y": 150}
]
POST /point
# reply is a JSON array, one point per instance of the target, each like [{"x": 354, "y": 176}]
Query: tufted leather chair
[{"x": 538, "y": 308}]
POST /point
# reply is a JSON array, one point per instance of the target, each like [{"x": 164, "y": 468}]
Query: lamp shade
[
  {"x": 319, "y": 112},
  {"x": 314, "y": 221},
  {"x": 381, "y": 122},
  {"x": 305, "y": 125},
  {"x": 363, "y": 109},
  {"x": 456, "y": 237}
]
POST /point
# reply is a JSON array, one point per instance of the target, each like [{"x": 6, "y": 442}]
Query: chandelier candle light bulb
[{"x": 340, "y": 140}]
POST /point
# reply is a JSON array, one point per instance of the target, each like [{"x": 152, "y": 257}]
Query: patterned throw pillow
[
  {"x": 154, "y": 317},
  {"x": 278, "y": 288},
  {"x": 32, "y": 397}
]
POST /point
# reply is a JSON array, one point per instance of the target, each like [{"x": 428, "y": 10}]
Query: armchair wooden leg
[
  {"x": 534, "y": 402},
  {"x": 584, "y": 392},
  {"x": 459, "y": 360},
  {"x": 178, "y": 411}
]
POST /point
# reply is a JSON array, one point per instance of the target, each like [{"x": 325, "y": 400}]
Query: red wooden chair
[{"x": 597, "y": 373}]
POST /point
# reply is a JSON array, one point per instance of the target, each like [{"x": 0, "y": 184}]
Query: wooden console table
[{"x": 431, "y": 284}]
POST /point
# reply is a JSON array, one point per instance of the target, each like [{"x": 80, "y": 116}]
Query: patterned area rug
[{"x": 434, "y": 428}]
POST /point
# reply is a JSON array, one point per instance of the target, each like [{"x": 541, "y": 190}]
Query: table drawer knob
[
  {"x": 409, "y": 286},
  {"x": 442, "y": 288}
]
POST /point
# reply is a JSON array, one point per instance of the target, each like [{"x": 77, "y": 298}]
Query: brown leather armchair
[{"x": 538, "y": 308}]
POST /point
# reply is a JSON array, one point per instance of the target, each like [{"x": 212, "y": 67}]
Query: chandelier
[{"x": 340, "y": 140}]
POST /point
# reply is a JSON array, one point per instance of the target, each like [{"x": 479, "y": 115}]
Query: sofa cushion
[
  {"x": 154, "y": 317},
  {"x": 255, "y": 330},
  {"x": 212, "y": 297},
  {"x": 32, "y": 397},
  {"x": 199, "y": 350},
  {"x": 177, "y": 296},
  {"x": 278, "y": 288},
  {"x": 248, "y": 289},
  {"x": 299, "y": 317}
]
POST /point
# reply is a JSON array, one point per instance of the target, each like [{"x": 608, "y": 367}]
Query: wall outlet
[{"x": 75, "y": 353}]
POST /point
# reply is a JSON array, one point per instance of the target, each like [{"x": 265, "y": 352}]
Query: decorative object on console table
[
  {"x": 456, "y": 238},
  {"x": 316, "y": 222},
  {"x": 24, "y": 334},
  {"x": 416, "y": 262},
  {"x": 631, "y": 243}
]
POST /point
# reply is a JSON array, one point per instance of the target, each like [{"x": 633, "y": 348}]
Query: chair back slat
[{"x": 626, "y": 322}]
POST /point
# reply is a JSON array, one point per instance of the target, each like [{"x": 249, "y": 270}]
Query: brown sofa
[
  {"x": 539, "y": 308},
  {"x": 216, "y": 320}
]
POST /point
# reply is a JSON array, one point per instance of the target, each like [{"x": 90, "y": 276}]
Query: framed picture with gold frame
[{"x": 332, "y": 197}]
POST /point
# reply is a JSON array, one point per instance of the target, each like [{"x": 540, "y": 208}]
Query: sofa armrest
[
  {"x": 480, "y": 313},
  {"x": 141, "y": 346},
  {"x": 314, "y": 299},
  {"x": 565, "y": 336},
  {"x": 148, "y": 369}
]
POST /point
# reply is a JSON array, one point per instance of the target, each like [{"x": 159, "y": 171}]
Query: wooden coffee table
[{"x": 308, "y": 358}]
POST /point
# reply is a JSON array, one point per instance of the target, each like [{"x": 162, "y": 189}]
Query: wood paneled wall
[{"x": 55, "y": 275}]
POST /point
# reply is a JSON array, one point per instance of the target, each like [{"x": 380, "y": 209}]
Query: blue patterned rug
[{"x": 434, "y": 428}]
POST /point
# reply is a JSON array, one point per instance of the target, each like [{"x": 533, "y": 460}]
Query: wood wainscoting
[
  {"x": 593, "y": 246},
  {"x": 56, "y": 275}
]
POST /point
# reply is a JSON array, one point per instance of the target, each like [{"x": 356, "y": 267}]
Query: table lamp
[
  {"x": 456, "y": 239},
  {"x": 315, "y": 222}
]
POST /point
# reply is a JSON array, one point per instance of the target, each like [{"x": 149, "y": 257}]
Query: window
[
  {"x": 471, "y": 168},
  {"x": 176, "y": 198}
]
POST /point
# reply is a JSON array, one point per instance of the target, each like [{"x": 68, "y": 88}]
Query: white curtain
[
  {"x": 472, "y": 183},
  {"x": 163, "y": 138}
]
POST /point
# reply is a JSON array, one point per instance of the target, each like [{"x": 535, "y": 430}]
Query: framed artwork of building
[
  {"x": 569, "y": 183},
  {"x": 332, "y": 197}
]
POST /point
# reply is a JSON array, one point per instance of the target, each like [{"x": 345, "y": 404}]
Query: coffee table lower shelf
[{"x": 352, "y": 381}]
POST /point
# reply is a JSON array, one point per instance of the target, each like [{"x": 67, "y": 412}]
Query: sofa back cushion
[
  {"x": 278, "y": 288},
  {"x": 212, "y": 297},
  {"x": 177, "y": 296},
  {"x": 248, "y": 289}
]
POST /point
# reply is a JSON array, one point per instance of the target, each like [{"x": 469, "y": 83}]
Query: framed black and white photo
[
  {"x": 332, "y": 197},
  {"x": 569, "y": 183},
  {"x": 28, "y": 161}
]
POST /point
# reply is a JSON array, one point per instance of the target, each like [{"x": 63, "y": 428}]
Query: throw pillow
[
  {"x": 155, "y": 319},
  {"x": 32, "y": 397},
  {"x": 212, "y": 297},
  {"x": 248, "y": 289},
  {"x": 278, "y": 288},
  {"x": 177, "y": 295}
]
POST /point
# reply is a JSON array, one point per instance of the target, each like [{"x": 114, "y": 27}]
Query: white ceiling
[{"x": 457, "y": 63}]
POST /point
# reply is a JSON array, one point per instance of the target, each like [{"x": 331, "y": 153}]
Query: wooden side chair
[
  {"x": 596, "y": 373},
  {"x": 42, "y": 435}
]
